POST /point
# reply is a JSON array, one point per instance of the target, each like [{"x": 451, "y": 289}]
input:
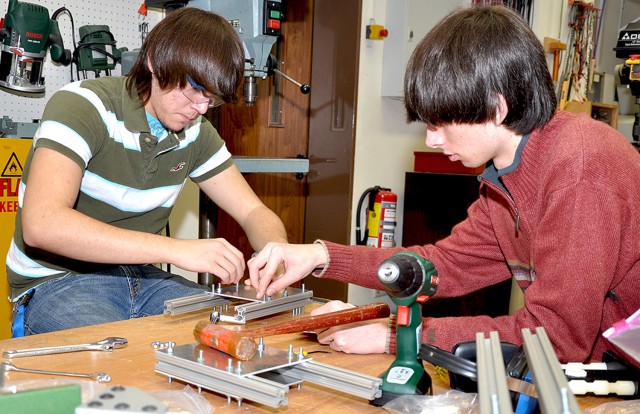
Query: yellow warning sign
[
  {"x": 13, "y": 168},
  {"x": 13, "y": 155}
]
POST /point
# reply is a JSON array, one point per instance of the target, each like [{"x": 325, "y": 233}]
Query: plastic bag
[
  {"x": 450, "y": 402},
  {"x": 185, "y": 401},
  {"x": 626, "y": 335},
  {"x": 617, "y": 407}
]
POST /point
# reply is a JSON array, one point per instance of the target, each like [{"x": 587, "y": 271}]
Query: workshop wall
[{"x": 124, "y": 23}]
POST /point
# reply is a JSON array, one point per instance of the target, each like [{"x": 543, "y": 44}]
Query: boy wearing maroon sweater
[{"x": 559, "y": 205}]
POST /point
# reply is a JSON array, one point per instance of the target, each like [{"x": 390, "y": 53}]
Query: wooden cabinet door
[{"x": 433, "y": 204}]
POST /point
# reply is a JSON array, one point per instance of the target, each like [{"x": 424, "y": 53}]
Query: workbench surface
[{"x": 134, "y": 364}]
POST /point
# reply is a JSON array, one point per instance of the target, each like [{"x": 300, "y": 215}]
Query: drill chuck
[{"x": 403, "y": 275}]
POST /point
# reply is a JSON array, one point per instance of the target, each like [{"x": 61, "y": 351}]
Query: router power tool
[{"x": 26, "y": 33}]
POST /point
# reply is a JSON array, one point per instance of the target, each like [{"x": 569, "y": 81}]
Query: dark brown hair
[
  {"x": 190, "y": 42},
  {"x": 475, "y": 54}
]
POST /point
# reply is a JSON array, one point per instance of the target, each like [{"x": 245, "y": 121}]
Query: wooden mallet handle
[{"x": 241, "y": 344}]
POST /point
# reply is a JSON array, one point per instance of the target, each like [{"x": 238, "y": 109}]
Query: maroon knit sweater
[{"x": 575, "y": 251}]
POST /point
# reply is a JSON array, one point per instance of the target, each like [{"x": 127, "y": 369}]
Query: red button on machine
[{"x": 273, "y": 24}]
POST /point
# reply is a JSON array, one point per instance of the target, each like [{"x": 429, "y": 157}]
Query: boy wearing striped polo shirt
[{"x": 107, "y": 164}]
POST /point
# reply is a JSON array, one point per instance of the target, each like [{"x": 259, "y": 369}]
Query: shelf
[{"x": 607, "y": 113}]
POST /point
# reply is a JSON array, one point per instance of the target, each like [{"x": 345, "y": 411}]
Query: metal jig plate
[
  {"x": 211, "y": 369},
  {"x": 265, "y": 379},
  {"x": 248, "y": 293},
  {"x": 288, "y": 299},
  {"x": 266, "y": 360}
]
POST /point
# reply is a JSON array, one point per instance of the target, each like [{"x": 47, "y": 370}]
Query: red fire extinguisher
[{"x": 381, "y": 218}]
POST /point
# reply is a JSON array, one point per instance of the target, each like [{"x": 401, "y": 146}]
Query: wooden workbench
[{"x": 134, "y": 364}]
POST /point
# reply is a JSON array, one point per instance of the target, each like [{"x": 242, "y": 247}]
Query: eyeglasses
[{"x": 197, "y": 95}]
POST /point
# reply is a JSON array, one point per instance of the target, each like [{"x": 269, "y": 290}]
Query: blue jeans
[{"x": 123, "y": 292}]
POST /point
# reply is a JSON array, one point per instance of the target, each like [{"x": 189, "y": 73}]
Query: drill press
[
  {"x": 259, "y": 26},
  {"x": 628, "y": 48},
  {"x": 410, "y": 280}
]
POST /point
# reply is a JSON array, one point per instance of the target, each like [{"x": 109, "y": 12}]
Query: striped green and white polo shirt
[{"x": 132, "y": 177}]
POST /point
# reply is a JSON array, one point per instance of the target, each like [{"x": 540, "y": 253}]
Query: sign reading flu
[{"x": 13, "y": 155}]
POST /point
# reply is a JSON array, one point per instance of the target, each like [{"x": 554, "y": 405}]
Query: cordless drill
[{"x": 409, "y": 280}]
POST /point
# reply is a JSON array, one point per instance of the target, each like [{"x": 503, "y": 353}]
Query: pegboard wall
[{"x": 124, "y": 21}]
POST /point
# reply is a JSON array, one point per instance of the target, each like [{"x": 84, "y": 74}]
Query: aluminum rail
[
  {"x": 338, "y": 379},
  {"x": 551, "y": 383},
  {"x": 492, "y": 382},
  {"x": 211, "y": 369},
  {"x": 265, "y": 378},
  {"x": 186, "y": 304},
  {"x": 250, "y": 388},
  {"x": 289, "y": 298},
  {"x": 254, "y": 310}
]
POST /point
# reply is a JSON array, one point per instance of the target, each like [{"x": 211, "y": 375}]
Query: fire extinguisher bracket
[{"x": 381, "y": 218}]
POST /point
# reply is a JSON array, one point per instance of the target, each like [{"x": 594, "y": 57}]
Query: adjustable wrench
[
  {"x": 96, "y": 376},
  {"x": 107, "y": 344}
]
